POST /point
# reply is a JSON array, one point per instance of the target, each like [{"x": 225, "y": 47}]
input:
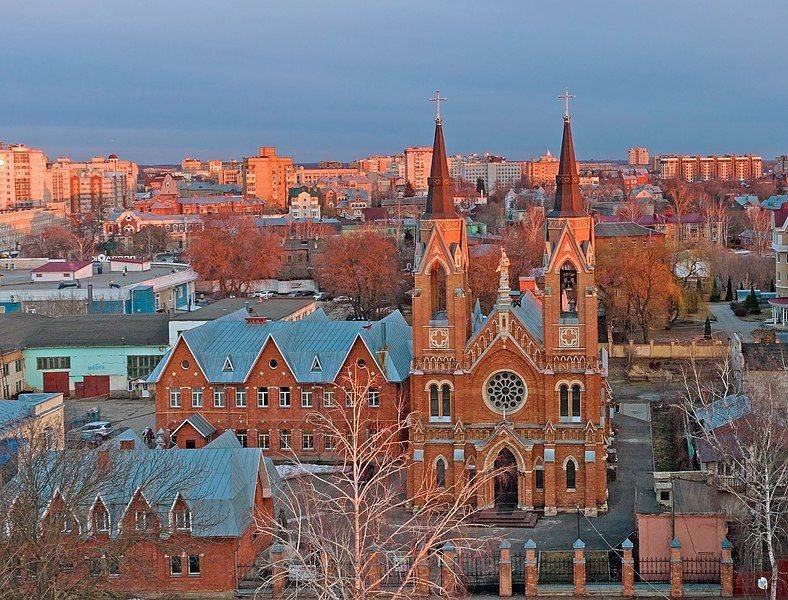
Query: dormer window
[
  {"x": 183, "y": 519},
  {"x": 100, "y": 519},
  {"x": 142, "y": 520},
  {"x": 228, "y": 365},
  {"x": 316, "y": 366}
]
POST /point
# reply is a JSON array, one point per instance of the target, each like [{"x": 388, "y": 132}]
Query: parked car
[
  {"x": 69, "y": 284},
  {"x": 263, "y": 294},
  {"x": 323, "y": 297},
  {"x": 96, "y": 431},
  {"x": 343, "y": 299}
]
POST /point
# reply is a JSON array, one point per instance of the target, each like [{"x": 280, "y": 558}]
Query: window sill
[
  {"x": 571, "y": 490},
  {"x": 440, "y": 419},
  {"x": 569, "y": 319}
]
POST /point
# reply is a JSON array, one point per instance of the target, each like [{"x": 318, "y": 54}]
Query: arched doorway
[{"x": 505, "y": 480}]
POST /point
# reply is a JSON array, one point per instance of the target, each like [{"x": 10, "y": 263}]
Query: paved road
[{"x": 730, "y": 323}]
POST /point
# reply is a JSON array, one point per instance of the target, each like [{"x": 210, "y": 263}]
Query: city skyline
[{"x": 357, "y": 82}]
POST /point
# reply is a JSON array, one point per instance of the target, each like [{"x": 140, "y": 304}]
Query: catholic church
[{"x": 522, "y": 391}]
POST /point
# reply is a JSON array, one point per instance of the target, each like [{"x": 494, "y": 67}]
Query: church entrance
[{"x": 505, "y": 481}]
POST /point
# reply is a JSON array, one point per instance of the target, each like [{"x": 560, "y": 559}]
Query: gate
[
  {"x": 479, "y": 572},
  {"x": 518, "y": 569}
]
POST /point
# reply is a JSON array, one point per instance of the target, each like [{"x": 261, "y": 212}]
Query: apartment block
[
  {"x": 268, "y": 176},
  {"x": 60, "y": 174},
  {"x": 638, "y": 157},
  {"x": 22, "y": 176},
  {"x": 418, "y": 160},
  {"x": 728, "y": 167},
  {"x": 540, "y": 171}
]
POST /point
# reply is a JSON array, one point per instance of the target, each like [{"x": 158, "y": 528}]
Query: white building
[{"x": 305, "y": 205}]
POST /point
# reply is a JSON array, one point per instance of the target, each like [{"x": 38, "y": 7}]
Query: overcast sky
[{"x": 154, "y": 80}]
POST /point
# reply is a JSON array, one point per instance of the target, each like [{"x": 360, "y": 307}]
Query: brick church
[{"x": 522, "y": 390}]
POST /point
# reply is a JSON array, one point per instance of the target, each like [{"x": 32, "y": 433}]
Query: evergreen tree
[
  {"x": 715, "y": 292},
  {"x": 707, "y": 329},
  {"x": 409, "y": 191},
  {"x": 480, "y": 185},
  {"x": 699, "y": 287},
  {"x": 729, "y": 291},
  {"x": 771, "y": 286},
  {"x": 751, "y": 302}
]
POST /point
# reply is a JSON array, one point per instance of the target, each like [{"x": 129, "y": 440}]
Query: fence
[
  {"x": 703, "y": 569},
  {"x": 555, "y": 567},
  {"x": 653, "y": 570},
  {"x": 479, "y": 572}
]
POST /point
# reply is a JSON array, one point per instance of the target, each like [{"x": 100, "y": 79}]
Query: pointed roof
[
  {"x": 440, "y": 203},
  {"x": 568, "y": 202}
]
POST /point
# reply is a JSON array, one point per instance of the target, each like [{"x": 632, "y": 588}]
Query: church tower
[{"x": 441, "y": 301}]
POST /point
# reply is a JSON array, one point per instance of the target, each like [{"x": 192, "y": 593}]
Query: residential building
[
  {"x": 97, "y": 191},
  {"x": 417, "y": 166},
  {"x": 61, "y": 186},
  {"x": 780, "y": 247},
  {"x": 304, "y": 203},
  {"x": 781, "y": 163},
  {"x": 623, "y": 235},
  {"x": 775, "y": 202},
  {"x": 263, "y": 379},
  {"x": 122, "y": 225},
  {"x": 15, "y": 225},
  {"x": 375, "y": 164},
  {"x": 187, "y": 522},
  {"x": 728, "y": 167},
  {"x": 158, "y": 287},
  {"x": 638, "y": 157},
  {"x": 87, "y": 355},
  {"x": 201, "y": 189},
  {"x": 22, "y": 177},
  {"x": 308, "y": 177},
  {"x": 191, "y": 165},
  {"x": 540, "y": 171},
  {"x": 688, "y": 228},
  {"x": 495, "y": 173},
  {"x": 268, "y": 177},
  {"x": 29, "y": 418},
  {"x": 533, "y": 408},
  {"x": 270, "y": 309},
  {"x": 632, "y": 178}
]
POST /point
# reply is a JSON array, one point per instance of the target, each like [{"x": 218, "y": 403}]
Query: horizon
[{"x": 357, "y": 83}]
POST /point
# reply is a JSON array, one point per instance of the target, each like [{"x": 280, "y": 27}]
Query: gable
[{"x": 567, "y": 248}]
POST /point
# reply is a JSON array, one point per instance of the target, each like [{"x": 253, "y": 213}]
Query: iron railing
[
  {"x": 479, "y": 572},
  {"x": 598, "y": 568},
  {"x": 703, "y": 569},
  {"x": 556, "y": 568},
  {"x": 654, "y": 570}
]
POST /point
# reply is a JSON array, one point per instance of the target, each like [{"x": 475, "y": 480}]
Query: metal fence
[
  {"x": 598, "y": 568},
  {"x": 703, "y": 569},
  {"x": 518, "y": 568},
  {"x": 655, "y": 570},
  {"x": 396, "y": 568},
  {"x": 556, "y": 568},
  {"x": 479, "y": 572}
]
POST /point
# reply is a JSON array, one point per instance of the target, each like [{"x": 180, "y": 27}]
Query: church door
[{"x": 506, "y": 480}]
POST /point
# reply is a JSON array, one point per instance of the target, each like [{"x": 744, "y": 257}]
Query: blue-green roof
[{"x": 299, "y": 342}]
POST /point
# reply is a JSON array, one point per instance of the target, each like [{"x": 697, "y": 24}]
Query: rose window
[{"x": 505, "y": 392}]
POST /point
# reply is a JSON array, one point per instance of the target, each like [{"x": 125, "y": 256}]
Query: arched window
[
  {"x": 564, "y": 396},
  {"x": 440, "y": 473},
  {"x": 438, "y": 291},
  {"x": 539, "y": 476},
  {"x": 571, "y": 474},
  {"x": 576, "y": 401},
  {"x": 568, "y": 290},
  {"x": 440, "y": 402}
]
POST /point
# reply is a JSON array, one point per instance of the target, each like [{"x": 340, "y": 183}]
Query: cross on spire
[
  {"x": 566, "y": 97},
  {"x": 437, "y": 100}
]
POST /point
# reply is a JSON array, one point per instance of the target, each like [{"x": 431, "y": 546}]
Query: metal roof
[
  {"x": 723, "y": 411},
  {"x": 298, "y": 342},
  {"x": 199, "y": 423},
  {"x": 269, "y": 308}
]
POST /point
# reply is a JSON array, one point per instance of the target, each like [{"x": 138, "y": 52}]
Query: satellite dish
[{"x": 763, "y": 583}]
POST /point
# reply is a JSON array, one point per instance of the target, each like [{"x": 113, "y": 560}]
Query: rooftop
[
  {"x": 274, "y": 309},
  {"x": 58, "y": 266},
  {"x": 22, "y": 330},
  {"x": 623, "y": 229}
]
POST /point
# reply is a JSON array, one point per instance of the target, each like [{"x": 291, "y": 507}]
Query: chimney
[
  {"x": 126, "y": 445},
  {"x": 527, "y": 284},
  {"x": 90, "y": 298},
  {"x": 256, "y": 320}
]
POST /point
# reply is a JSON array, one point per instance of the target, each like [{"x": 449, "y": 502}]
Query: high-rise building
[
  {"x": 94, "y": 190},
  {"x": 59, "y": 177},
  {"x": 638, "y": 157},
  {"x": 728, "y": 167},
  {"x": 191, "y": 165},
  {"x": 22, "y": 176},
  {"x": 540, "y": 171},
  {"x": 268, "y": 176},
  {"x": 417, "y": 166},
  {"x": 493, "y": 171}
]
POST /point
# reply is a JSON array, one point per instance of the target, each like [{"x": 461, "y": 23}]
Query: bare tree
[
  {"x": 52, "y": 546},
  {"x": 761, "y": 226},
  {"x": 751, "y": 453},
  {"x": 340, "y": 521}
]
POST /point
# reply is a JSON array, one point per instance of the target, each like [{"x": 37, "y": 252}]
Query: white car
[
  {"x": 263, "y": 294},
  {"x": 96, "y": 431}
]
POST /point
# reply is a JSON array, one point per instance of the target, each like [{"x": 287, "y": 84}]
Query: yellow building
[
  {"x": 540, "y": 171},
  {"x": 268, "y": 176},
  {"x": 417, "y": 166},
  {"x": 22, "y": 176},
  {"x": 33, "y": 418}
]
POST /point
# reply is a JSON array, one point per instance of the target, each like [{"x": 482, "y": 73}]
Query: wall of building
[
  {"x": 12, "y": 380},
  {"x": 700, "y": 535}
]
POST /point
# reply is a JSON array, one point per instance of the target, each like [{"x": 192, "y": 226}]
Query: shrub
[
  {"x": 751, "y": 301},
  {"x": 755, "y": 311},
  {"x": 692, "y": 300},
  {"x": 740, "y": 311}
]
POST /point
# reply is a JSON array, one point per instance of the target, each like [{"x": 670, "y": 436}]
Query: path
[{"x": 730, "y": 323}]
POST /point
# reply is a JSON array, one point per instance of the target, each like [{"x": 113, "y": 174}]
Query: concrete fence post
[
  {"x": 505, "y": 570},
  {"x": 627, "y": 570},
  {"x": 279, "y": 574},
  {"x": 530, "y": 569},
  {"x": 726, "y": 570},
  {"x": 579, "y": 568},
  {"x": 421, "y": 587},
  {"x": 449, "y": 581},
  {"x": 676, "y": 570}
]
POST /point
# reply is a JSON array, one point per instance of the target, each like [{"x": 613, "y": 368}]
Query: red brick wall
[{"x": 271, "y": 419}]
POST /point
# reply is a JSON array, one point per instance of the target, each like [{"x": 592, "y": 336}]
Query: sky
[{"x": 157, "y": 80}]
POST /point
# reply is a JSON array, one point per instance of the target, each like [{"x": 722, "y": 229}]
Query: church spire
[
  {"x": 568, "y": 202},
  {"x": 440, "y": 203}
]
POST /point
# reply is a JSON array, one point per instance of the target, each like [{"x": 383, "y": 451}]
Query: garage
[
  {"x": 94, "y": 385},
  {"x": 56, "y": 381}
]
